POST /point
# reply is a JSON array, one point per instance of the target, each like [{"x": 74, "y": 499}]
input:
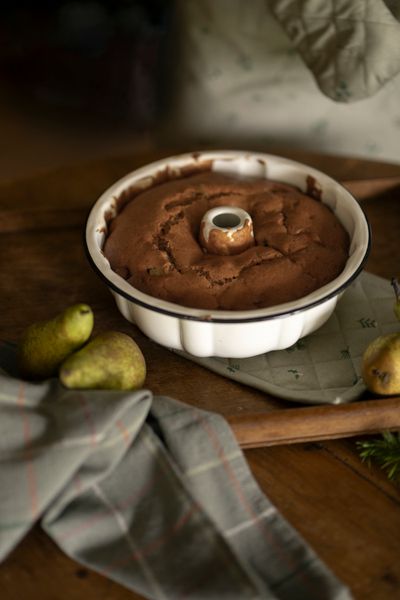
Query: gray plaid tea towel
[
  {"x": 148, "y": 491},
  {"x": 324, "y": 367}
]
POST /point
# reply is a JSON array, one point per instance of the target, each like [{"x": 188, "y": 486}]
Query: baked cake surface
[{"x": 153, "y": 243}]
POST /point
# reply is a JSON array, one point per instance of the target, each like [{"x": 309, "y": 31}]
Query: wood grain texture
[
  {"x": 347, "y": 511},
  {"x": 316, "y": 423}
]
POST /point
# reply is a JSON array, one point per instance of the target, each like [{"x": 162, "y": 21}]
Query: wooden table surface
[{"x": 348, "y": 512}]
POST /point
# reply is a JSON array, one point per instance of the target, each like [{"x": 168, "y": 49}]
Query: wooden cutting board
[{"x": 44, "y": 269}]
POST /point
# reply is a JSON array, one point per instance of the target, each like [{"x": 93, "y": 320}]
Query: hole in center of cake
[{"x": 226, "y": 220}]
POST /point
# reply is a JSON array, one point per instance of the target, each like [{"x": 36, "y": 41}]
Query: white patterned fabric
[
  {"x": 238, "y": 78},
  {"x": 324, "y": 367}
]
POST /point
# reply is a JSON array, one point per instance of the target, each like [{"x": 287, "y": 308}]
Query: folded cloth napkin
[
  {"x": 148, "y": 491},
  {"x": 324, "y": 367}
]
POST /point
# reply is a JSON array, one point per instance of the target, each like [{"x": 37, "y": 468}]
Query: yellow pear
[
  {"x": 111, "y": 361},
  {"x": 381, "y": 365},
  {"x": 46, "y": 344}
]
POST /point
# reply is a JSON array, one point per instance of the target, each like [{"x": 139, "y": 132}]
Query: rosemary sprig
[{"x": 385, "y": 452}]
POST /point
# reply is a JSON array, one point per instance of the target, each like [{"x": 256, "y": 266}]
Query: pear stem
[{"x": 396, "y": 286}]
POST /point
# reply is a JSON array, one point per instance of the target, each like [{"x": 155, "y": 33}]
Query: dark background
[
  {"x": 80, "y": 79},
  {"x": 98, "y": 57}
]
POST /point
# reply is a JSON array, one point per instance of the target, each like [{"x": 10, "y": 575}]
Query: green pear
[
  {"x": 46, "y": 344},
  {"x": 396, "y": 287},
  {"x": 111, "y": 361},
  {"x": 381, "y": 365}
]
